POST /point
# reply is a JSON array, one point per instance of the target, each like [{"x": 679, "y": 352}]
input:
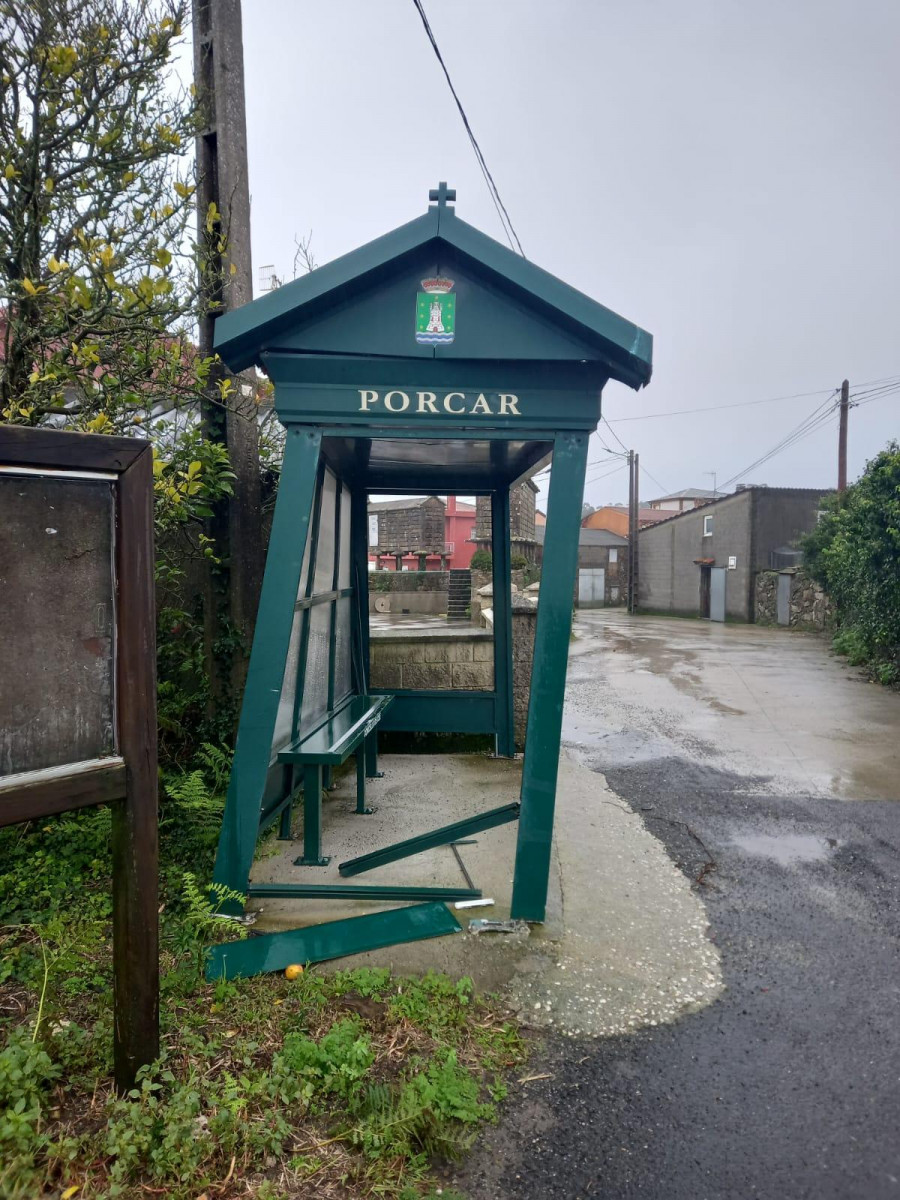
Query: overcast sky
[{"x": 724, "y": 173}]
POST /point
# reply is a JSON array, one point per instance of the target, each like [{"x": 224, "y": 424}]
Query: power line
[
  {"x": 488, "y": 177},
  {"x": 680, "y": 412},
  {"x": 655, "y": 480},
  {"x": 821, "y": 415},
  {"x": 606, "y": 474},
  {"x": 615, "y": 435}
]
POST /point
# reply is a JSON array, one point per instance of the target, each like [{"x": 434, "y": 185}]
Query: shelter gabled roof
[{"x": 509, "y": 308}]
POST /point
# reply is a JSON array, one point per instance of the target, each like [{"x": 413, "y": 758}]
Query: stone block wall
[
  {"x": 810, "y": 607},
  {"x": 524, "y": 623},
  {"x": 452, "y": 663}
]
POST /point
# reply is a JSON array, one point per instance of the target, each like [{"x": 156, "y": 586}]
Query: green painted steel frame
[
  {"x": 334, "y": 939},
  {"x": 350, "y": 891},
  {"x": 556, "y": 359},
  {"x": 271, "y": 640},
  {"x": 548, "y": 678},
  {"x": 502, "y": 606}
]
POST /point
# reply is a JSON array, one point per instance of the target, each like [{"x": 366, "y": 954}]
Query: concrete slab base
[{"x": 624, "y": 942}]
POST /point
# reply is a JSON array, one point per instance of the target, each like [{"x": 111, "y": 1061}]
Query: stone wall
[
  {"x": 453, "y": 662},
  {"x": 810, "y": 608},
  {"x": 408, "y": 581},
  {"x": 408, "y": 591},
  {"x": 524, "y": 622},
  {"x": 481, "y": 579}
]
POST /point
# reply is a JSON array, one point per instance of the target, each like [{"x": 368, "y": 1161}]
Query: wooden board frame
[{"x": 129, "y": 780}]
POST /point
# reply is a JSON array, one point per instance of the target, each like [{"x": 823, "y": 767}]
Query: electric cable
[{"x": 505, "y": 221}]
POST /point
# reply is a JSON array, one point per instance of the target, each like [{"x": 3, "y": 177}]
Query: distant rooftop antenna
[{"x": 268, "y": 280}]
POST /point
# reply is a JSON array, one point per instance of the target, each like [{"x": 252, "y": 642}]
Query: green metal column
[
  {"x": 505, "y": 740},
  {"x": 262, "y": 693},
  {"x": 312, "y": 818},
  {"x": 359, "y": 570},
  {"x": 548, "y": 676}
]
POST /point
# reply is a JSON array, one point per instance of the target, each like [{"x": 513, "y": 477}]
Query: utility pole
[
  {"x": 633, "y": 526},
  {"x": 226, "y": 283},
  {"x": 842, "y": 436},
  {"x": 635, "y": 556}
]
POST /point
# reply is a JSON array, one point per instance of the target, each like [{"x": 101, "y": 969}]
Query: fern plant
[{"x": 201, "y": 921}]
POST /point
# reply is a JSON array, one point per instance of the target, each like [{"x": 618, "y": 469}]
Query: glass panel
[
  {"x": 343, "y": 641},
  {"x": 285, "y": 717},
  {"x": 344, "y": 568},
  {"x": 315, "y": 682},
  {"x": 325, "y": 550}
]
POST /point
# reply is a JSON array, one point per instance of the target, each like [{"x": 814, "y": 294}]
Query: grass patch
[{"x": 348, "y": 1084}]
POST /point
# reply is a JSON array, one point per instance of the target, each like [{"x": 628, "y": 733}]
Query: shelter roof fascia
[{"x": 243, "y": 334}]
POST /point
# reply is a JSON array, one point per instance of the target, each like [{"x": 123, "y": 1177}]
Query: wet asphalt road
[{"x": 789, "y": 1085}]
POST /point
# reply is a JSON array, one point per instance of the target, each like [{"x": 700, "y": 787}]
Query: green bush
[
  {"x": 518, "y": 562},
  {"x": 854, "y": 553},
  {"x": 380, "y": 581},
  {"x": 482, "y": 560}
]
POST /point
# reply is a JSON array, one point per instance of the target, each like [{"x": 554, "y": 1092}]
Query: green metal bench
[{"x": 350, "y": 729}]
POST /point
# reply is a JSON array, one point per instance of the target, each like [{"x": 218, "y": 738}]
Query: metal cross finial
[{"x": 442, "y": 194}]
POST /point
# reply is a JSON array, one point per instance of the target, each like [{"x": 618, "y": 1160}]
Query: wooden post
[{"x": 135, "y": 846}]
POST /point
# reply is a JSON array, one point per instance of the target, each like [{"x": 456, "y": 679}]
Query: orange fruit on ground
[{"x": 294, "y": 971}]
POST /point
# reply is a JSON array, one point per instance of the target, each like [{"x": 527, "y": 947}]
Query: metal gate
[
  {"x": 783, "y": 600},
  {"x": 591, "y": 587},
  {"x": 717, "y": 593}
]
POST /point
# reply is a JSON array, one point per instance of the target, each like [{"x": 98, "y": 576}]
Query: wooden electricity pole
[
  {"x": 842, "y": 436},
  {"x": 635, "y": 554},
  {"x": 223, "y": 225},
  {"x": 633, "y": 527}
]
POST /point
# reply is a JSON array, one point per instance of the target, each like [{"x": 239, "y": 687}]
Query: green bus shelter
[{"x": 431, "y": 360}]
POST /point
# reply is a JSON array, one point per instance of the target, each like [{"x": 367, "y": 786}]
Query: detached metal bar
[
  {"x": 427, "y": 841},
  {"x": 275, "y": 951},
  {"x": 350, "y": 891},
  {"x": 548, "y": 677}
]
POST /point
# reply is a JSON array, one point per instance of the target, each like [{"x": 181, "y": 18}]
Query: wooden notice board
[{"x": 78, "y": 684}]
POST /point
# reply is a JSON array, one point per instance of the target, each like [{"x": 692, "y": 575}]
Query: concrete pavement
[{"x": 769, "y": 771}]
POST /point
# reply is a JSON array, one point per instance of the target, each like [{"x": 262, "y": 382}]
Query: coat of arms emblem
[{"x": 436, "y": 312}]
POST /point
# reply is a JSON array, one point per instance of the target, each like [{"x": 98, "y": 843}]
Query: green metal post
[
  {"x": 502, "y": 604},
  {"x": 548, "y": 677},
  {"x": 361, "y": 782},
  {"x": 290, "y": 529},
  {"x": 372, "y": 771},
  {"x": 359, "y": 568},
  {"x": 312, "y": 817}
]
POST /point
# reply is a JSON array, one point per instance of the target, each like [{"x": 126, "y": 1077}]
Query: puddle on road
[{"x": 787, "y": 848}]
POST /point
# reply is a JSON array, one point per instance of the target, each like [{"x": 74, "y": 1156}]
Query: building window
[
  {"x": 707, "y": 526},
  {"x": 614, "y": 555}
]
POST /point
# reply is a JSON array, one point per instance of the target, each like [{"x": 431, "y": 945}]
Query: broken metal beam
[
  {"x": 334, "y": 939},
  {"x": 427, "y": 841}
]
